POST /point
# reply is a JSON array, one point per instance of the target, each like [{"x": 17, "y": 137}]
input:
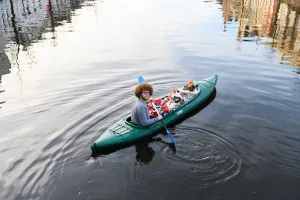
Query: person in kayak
[{"x": 140, "y": 114}]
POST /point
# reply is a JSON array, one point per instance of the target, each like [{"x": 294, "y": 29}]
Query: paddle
[
  {"x": 169, "y": 134},
  {"x": 142, "y": 80}
]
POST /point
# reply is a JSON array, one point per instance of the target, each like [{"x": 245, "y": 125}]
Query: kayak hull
[{"x": 124, "y": 132}]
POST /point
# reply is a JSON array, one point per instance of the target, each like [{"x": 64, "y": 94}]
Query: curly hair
[{"x": 143, "y": 86}]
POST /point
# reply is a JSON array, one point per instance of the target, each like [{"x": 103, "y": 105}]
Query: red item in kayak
[
  {"x": 165, "y": 109},
  {"x": 149, "y": 107},
  {"x": 153, "y": 114},
  {"x": 156, "y": 101},
  {"x": 166, "y": 99}
]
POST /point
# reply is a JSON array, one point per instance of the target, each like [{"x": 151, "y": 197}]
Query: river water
[{"x": 68, "y": 71}]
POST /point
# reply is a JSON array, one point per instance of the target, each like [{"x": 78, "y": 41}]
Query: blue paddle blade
[
  {"x": 169, "y": 134},
  {"x": 141, "y": 79},
  {"x": 171, "y": 137}
]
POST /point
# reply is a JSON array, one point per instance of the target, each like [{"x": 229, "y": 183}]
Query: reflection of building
[
  {"x": 256, "y": 18},
  {"x": 231, "y": 10},
  {"x": 25, "y": 21},
  {"x": 277, "y": 19},
  {"x": 287, "y": 33}
]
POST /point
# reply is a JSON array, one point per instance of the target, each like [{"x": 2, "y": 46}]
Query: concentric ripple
[{"x": 211, "y": 157}]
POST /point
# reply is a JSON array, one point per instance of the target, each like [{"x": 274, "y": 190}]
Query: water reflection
[
  {"x": 5, "y": 65},
  {"x": 23, "y": 23},
  {"x": 27, "y": 22},
  {"x": 276, "y": 19},
  {"x": 144, "y": 153}
]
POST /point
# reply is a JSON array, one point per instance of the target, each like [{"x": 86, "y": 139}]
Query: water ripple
[{"x": 203, "y": 151}]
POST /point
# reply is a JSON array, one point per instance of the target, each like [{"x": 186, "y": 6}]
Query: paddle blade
[
  {"x": 141, "y": 79},
  {"x": 172, "y": 138}
]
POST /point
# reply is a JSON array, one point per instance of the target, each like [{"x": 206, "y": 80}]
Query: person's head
[{"x": 144, "y": 91}]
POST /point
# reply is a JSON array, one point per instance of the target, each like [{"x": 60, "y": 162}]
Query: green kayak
[{"x": 124, "y": 132}]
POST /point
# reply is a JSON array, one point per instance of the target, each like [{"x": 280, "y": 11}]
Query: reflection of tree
[
  {"x": 4, "y": 64},
  {"x": 51, "y": 13},
  {"x": 17, "y": 37},
  {"x": 4, "y": 68},
  {"x": 4, "y": 61}
]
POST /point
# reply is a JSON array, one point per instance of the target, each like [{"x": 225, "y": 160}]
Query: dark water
[{"x": 68, "y": 70}]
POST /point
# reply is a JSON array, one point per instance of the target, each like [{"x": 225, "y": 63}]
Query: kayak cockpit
[{"x": 129, "y": 122}]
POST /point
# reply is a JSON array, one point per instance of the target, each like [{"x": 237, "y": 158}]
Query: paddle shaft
[
  {"x": 169, "y": 134},
  {"x": 159, "y": 114},
  {"x": 155, "y": 108}
]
